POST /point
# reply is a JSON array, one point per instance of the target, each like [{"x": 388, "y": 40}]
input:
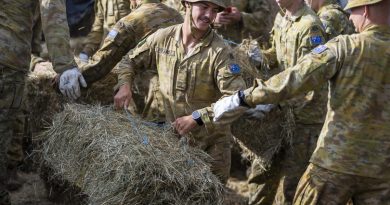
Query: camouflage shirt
[
  {"x": 188, "y": 82},
  {"x": 355, "y": 138},
  {"x": 293, "y": 37},
  {"x": 335, "y": 19},
  {"x": 126, "y": 34},
  {"x": 256, "y": 21},
  {"x": 107, "y": 13},
  {"x": 16, "y": 33}
]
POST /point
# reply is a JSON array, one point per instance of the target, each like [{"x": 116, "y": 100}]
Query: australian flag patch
[
  {"x": 315, "y": 40},
  {"x": 112, "y": 34},
  {"x": 319, "y": 49},
  {"x": 235, "y": 68}
]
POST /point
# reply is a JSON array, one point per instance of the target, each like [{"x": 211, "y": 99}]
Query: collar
[
  {"x": 377, "y": 28},
  {"x": 206, "y": 41},
  {"x": 150, "y": 1}
]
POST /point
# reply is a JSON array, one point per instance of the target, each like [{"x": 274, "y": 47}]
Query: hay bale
[
  {"x": 115, "y": 161},
  {"x": 260, "y": 138}
]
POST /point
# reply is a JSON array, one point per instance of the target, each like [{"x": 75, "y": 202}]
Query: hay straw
[
  {"x": 115, "y": 161},
  {"x": 260, "y": 139}
]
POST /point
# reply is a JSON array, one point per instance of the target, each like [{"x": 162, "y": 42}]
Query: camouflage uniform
[
  {"x": 107, "y": 13},
  {"x": 292, "y": 38},
  {"x": 191, "y": 82},
  {"x": 334, "y": 19},
  {"x": 356, "y": 127},
  {"x": 177, "y": 5},
  {"x": 15, "y": 42},
  {"x": 124, "y": 36},
  {"x": 255, "y": 19}
]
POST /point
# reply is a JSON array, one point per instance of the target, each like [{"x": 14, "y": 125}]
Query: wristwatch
[{"x": 197, "y": 117}]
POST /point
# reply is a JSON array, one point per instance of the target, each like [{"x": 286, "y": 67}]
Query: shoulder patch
[
  {"x": 234, "y": 68},
  {"x": 315, "y": 40},
  {"x": 112, "y": 34},
  {"x": 319, "y": 49}
]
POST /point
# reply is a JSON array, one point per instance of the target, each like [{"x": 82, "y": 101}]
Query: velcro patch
[
  {"x": 112, "y": 34},
  {"x": 235, "y": 68},
  {"x": 319, "y": 49},
  {"x": 316, "y": 40}
]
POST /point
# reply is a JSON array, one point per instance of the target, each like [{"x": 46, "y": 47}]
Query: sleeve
[
  {"x": 311, "y": 71},
  {"x": 142, "y": 57},
  {"x": 36, "y": 48},
  {"x": 228, "y": 75},
  {"x": 56, "y": 31},
  {"x": 95, "y": 37},
  {"x": 312, "y": 35},
  {"x": 119, "y": 41}
]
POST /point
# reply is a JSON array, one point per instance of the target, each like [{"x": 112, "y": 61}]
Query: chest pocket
[{"x": 201, "y": 86}]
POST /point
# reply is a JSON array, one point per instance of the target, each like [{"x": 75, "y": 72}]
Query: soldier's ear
[{"x": 365, "y": 14}]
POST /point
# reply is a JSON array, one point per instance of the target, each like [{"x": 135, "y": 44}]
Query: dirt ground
[{"x": 34, "y": 192}]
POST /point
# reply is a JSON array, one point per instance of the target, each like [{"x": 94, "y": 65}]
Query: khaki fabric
[
  {"x": 335, "y": 19},
  {"x": 356, "y": 125},
  {"x": 107, "y": 13},
  {"x": 18, "y": 30},
  {"x": 319, "y": 186},
  {"x": 256, "y": 21},
  {"x": 188, "y": 82},
  {"x": 125, "y": 35}
]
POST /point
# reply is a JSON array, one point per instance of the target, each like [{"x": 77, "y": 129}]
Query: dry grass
[{"x": 118, "y": 159}]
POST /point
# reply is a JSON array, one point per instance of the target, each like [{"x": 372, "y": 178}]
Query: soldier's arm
[
  {"x": 117, "y": 43},
  {"x": 142, "y": 57},
  {"x": 56, "y": 31},
  {"x": 228, "y": 80},
  {"x": 270, "y": 54},
  {"x": 95, "y": 37},
  {"x": 311, "y": 71},
  {"x": 311, "y": 36}
]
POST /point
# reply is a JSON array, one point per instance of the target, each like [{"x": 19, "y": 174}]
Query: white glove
[
  {"x": 83, "y": 57},
  {"x": 259, "y": 111},
  {"x": 226, "y": 106},
  {"x": 70, "y": 83}
]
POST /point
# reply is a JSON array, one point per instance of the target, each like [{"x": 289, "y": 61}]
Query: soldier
[
  {"x": 15, "y": 44},
  {"x": 333, "y": 17},
  {"x": 245, "y": 19},
  {"x": 352, "y": 156},
  {"x": 297, "y": 30},
  {"x": 107, "y": 13},
  {"x": 195, "y": 68},
  {"x": 125, "y": 35}
]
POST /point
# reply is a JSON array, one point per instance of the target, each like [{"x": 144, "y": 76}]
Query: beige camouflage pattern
[
  {"x": 107, "y": 13},
  {"x": 357, "y": 127},
  {"x": 17, "y": 28},
  {"x": 335, "y": 19},
  {"x": 177, "y": 5},
  {"x": 319, "y": 186},
  {"x": 129, "y": 31},
  {"x": 255, "y": 21},
  {"x": 292, "y": 39},
  {"x": 189, "y": 82}
]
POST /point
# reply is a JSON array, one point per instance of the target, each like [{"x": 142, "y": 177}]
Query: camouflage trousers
[
  {"x": 322, "y": 186},
  {"x": 15, "y": 150},
  {"x": 220, "y": 152},
  {"x": 11, "y": 92},
  {"x": 278, "y": 184}
]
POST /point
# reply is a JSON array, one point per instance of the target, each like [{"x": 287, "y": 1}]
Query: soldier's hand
[
  {"x": 259, "y": 112},
  {"x": 227, "y": 18},
  {"x": 83, "y": 57},
  {"x": 123, "y": 97},
  {"x": 185, "y": 124},
  {"x": 70, "y": 81}
]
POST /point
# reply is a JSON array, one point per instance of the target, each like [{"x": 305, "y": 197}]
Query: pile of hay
[{"x": 118, "y": 159}]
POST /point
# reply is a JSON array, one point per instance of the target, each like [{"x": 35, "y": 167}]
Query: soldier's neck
[{"x": 293, "y": 8}]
